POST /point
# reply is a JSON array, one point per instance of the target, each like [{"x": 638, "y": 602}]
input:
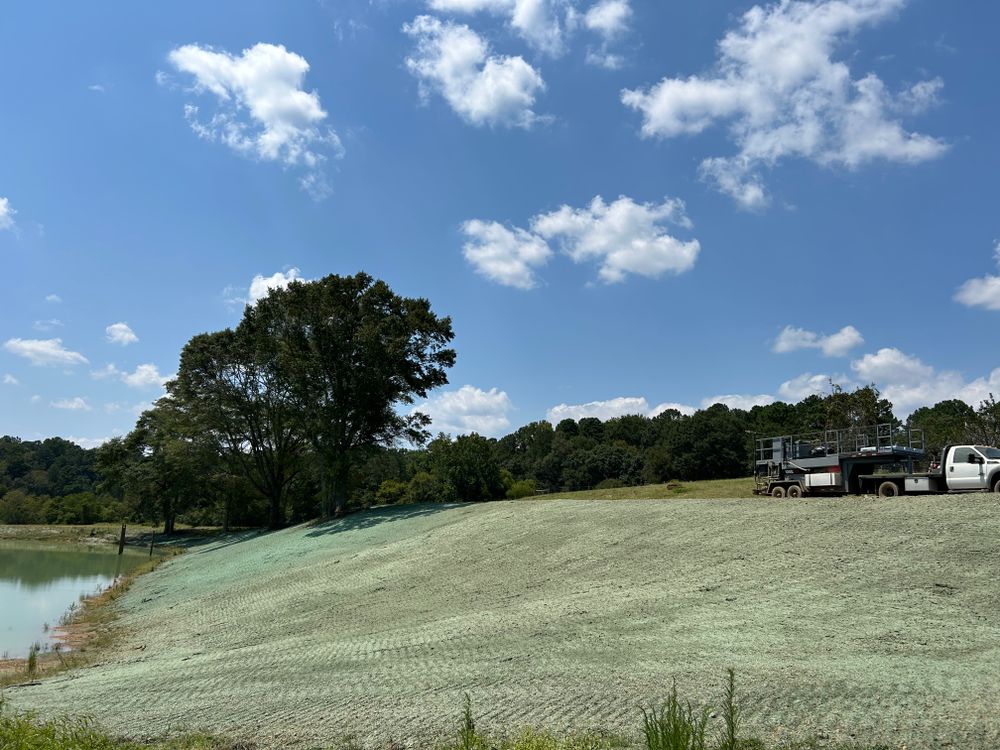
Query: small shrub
[
  {"x": 675, "y": 726},
  {"x": 391, "y": 492},
  {"x": 522, "y": 488},
  {"x": 731, "y": 714},
  {"x": 468, "y": 737},
  {"x": 33, "y": 660},
  {"x": 425, "y": 488}
]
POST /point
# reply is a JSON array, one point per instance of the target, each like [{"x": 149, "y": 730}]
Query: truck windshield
[{"x": 988, "y": 451}]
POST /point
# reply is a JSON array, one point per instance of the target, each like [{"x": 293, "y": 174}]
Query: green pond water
[{"x": 39, "y": 584}]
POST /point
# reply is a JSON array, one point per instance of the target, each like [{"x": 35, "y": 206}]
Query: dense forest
[{"x": 302, "y": 411}]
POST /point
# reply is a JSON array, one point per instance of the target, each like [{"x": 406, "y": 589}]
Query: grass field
[
  {"x": 850, "y": 619},
  {"x": 709, "y": 489}
]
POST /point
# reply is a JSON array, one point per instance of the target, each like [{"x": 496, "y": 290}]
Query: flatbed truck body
[{"x": 868, "y": 460}]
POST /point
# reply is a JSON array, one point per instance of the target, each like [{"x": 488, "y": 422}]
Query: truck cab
[{"x": 971, "y": 468}]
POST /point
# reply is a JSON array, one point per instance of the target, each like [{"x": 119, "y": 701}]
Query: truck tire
[
  {"x": 996, "y": 484},
  {"x": 794, "y": 490},
  {"x": 778, "y": 492},
  {"x": 888, "y": 489}
]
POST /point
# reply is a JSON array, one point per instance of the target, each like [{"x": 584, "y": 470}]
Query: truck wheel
[
  {"x": 888, "y": 489},
  {"x": 794, "y": 491},
  {"x": 778, "y": 492},
  {"x": 996, "y": 485}
]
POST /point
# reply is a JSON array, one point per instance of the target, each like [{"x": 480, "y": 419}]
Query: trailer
[{"x": 878, "y": 459}]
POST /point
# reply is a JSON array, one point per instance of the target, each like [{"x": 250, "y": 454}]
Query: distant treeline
[
  {"x": 55, "y": 481},
  {"x": 51, "y": 481}
]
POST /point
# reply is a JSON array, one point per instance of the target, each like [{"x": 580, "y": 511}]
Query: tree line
[{"x": 303, "y": 410}]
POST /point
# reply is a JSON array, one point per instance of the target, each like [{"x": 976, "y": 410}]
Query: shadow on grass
[
  {"x": 192, "y": 539},
  {"x": 366, "y": 519}
]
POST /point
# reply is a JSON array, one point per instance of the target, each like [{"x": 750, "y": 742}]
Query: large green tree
[{"x": 351, "y": 353}]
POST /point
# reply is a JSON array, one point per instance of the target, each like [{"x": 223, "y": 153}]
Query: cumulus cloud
[
  {"x": 834, "y": 345},
  {"x": 72, "y": 404},
  {"x": 610, "y": 20},
  {"x": 982, "y": 292},
  {"x": 469, "y": 409},
  {"x": 6, "y": 214},
  {"x": 506, "y": 256},
  {"x": 624, "y": 237},
  {"x": 743, "y": 401},
  {"x": 121, "y": 334},
  {"x": 9, "y": 379},
  {"x": 910, "y": 383},
  {"x": 684, "y": 409},
  {"x": 45, "y": 352},
  {"x": 88, "y": 443},
  {"x": 144, "y": 376},
  {"x": 615, "y": 407},
  {"x": 262, "y": 110},
  {"x": 54, "y": 298},
  {"x": 261, "y": 285},
  {"x": 544, "y": 24},
  {"x": 777, "y": 85},
  {"x": 108, "y": 371},
  {"x": 807, "y": 384},
  {"x": 454, "y": 62}
]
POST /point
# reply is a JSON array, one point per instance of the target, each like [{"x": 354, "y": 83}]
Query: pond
[{"x": 39, "y": 584}]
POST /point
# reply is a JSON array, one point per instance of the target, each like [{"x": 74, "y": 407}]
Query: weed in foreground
[{"x": 675, "y": 726}]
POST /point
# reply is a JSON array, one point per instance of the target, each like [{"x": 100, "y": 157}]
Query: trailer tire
[
  {"x": 778, "y": 492},
  {"x": 794, "y": 490},
  {"x": 888, "y": 489}
]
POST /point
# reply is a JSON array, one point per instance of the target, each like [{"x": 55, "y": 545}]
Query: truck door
[{"x": 963, "y": 475}]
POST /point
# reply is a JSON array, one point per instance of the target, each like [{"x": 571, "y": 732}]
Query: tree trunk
[
  {"x": 341, "y": 475},
  {"x": 324, "y": 491},
  {"x": 277, "y": 516},
  {"x": 225, "y": 513}
]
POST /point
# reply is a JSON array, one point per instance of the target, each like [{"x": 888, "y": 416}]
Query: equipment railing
[{"x": 884, "y": 438}]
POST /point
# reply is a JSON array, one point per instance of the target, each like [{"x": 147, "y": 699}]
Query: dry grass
[{"x": 709, "y": 489}]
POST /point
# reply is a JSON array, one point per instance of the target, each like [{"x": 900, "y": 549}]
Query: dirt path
[{"x": 854, "y": 618}]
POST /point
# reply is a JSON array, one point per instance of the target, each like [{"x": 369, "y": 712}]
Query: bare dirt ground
[{"x": 871, "y": 620}]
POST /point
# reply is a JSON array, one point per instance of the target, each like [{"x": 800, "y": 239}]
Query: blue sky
[{"x": 622, "y": 204}]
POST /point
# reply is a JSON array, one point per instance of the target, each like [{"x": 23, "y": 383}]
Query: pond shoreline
[{"x": 90, "y": 629}]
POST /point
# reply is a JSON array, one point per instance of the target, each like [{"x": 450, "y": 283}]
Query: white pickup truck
[{"x": 963, "y": 468}]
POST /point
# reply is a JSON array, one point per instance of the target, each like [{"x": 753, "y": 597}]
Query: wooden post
[
  {"x": 152, "y": 539},
  {"x": 121, "y": 542}
]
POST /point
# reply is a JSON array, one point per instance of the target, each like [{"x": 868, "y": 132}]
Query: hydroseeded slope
[{"x": 848, "y": 617}]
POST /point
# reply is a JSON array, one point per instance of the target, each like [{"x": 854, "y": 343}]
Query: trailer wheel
[
  {"x": 778, "y": 492},
  {"x": 794, "y": 490},
  {"x": 888, "y": 489}
]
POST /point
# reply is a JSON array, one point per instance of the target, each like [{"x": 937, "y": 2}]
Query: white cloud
[
  {"x": 262, "y": 109},
  {"x": 603, "y": 410},
  {"x": 261, "y": 285},
  {"x": 609, "y": 18},
  {"x": 120, "y": 333},
  {"x": 108, "y": 371},
  {"x": 909, "y": 383},
  {"x": 144, "y": 376},
  {"x": 45, "y": 352},
  {"x": 776, "y": 83},
  {"x": 544, "y": 24},
  {"x": 469, "y": 409},
  {"x": 483, "y": 89},
  {"x": 506, "y": 256},
  {"x": 9, "y": 379},
  {"x": 6, "y": 214},
  {"x": 35, "y": 399},
  {"x": 684, "y": 409},
  {"x": 99, "y": 88},
  {"x": 88, "y": 443},
  {"x": 738, "y": 400},
  {"x": 890, "y": 365},
  {"x": 625, "y": 237},
  {"x": 47, "y": 325},
  {"x": 834, "y": 345},
  {"x": 73, "y": 404},
  {"x": 807, "y": 384},
  {"x": 982, "y": 292},
  {"x": 54, "y": 298}
]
